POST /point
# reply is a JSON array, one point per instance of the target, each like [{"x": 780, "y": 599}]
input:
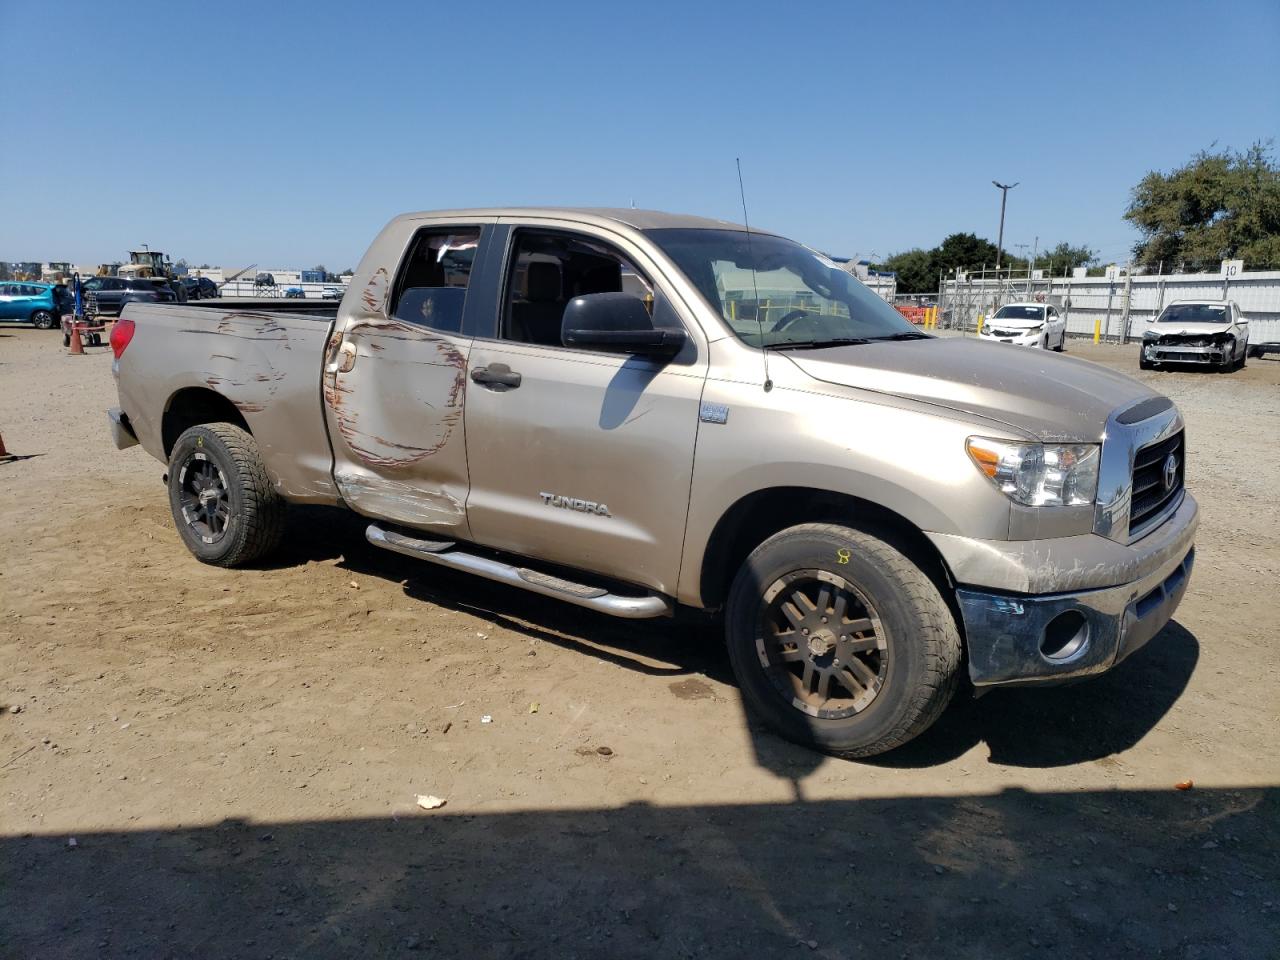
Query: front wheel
[
  {"x": 222, "y": 501},
  {"x": 839, "y": 641},
  {"x": 43, "y": 320}
]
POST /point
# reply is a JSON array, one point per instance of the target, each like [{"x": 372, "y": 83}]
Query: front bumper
[
  {"x": 1156, "y": 352},
  {"x": 1092, "y": 601},
  {"x": 1019, "y": 338}
]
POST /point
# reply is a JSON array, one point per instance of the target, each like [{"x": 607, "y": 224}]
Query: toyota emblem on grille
[{"x": 1170, "y": 472}]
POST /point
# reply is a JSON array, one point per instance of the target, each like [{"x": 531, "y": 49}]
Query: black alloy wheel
[{"x": 204, "y": 498}]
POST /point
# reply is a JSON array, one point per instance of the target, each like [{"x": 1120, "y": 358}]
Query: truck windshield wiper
[
  {"x": 816, "y": 344},
  {"x": 911, "y": 335}
]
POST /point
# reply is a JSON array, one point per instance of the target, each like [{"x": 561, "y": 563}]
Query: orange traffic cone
[{"x": 77, "y": 348}]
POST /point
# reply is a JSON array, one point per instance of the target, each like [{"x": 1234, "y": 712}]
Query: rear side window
[{"x": 432, "y": 289}]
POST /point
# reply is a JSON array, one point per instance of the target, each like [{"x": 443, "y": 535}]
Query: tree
[
  {"x": 915, "y": 270},
  {"x": 1222, "y": 205},
  {"x": 1064, "y": 256},
  {"x": 918, "y": 270}
]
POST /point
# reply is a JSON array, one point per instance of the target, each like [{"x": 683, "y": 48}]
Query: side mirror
[{"x": 617, "y": 323}]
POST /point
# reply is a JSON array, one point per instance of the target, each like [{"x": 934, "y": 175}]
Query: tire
[
  {"x": 66, "y": 339},
  {"x": 1062, "y": 343},
  {"x": 223, "y": 504},
  {"x": 901, "y": 633},
  {"x": 43, "y": 320},
  {"x": 1145, "y": 364}
]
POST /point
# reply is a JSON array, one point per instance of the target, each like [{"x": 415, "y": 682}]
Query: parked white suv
[
  {"x": 1210, "y": 332},
  {"x": 1028, "y": 325}
]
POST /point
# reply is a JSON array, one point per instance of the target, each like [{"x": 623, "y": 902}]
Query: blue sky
[{"x": 286, "y": 134}]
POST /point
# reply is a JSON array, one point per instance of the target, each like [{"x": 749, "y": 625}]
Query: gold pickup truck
[{"x": 632, "y": 411}]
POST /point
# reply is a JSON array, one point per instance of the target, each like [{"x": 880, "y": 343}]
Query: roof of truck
[{"x": 640, "y": 219}]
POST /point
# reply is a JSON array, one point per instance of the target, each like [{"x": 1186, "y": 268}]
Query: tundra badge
[{"x": 573, "y": 503}]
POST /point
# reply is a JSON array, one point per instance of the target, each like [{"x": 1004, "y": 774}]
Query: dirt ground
[{"x": 211, "y": 763}]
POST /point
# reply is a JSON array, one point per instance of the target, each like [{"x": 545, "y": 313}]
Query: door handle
[
  {"x": 496, "y": 375},
  {"x": 343, "y": 361}
]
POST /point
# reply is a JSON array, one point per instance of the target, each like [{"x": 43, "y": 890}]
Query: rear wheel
[
  {"x": 222, "y": 501},
  {"x": 43, "y": 320},
  {"x": 839, "y": 641}
]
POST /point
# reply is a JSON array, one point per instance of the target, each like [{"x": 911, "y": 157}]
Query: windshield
[
  {"x": 793, "y": 296},
  {"x": 1019, "y": 313},
  {"x": 1194, "y": 313}
]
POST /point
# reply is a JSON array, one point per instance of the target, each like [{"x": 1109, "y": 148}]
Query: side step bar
[{"x": 447, "y": 554}]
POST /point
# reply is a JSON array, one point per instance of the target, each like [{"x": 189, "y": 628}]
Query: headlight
[
  {"x": 1039, "y": 474},
  {"x": 1030, "y": 330}
]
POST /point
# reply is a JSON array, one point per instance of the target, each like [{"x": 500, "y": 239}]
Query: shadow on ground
[
  {"x": 1029, "y": 727},
  {"x": 1092, "y": 874}
]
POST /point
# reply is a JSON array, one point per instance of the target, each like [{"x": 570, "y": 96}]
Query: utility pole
[
  {"x": 1004, "y": 196},
  {"x": 1035, "y": 249}
]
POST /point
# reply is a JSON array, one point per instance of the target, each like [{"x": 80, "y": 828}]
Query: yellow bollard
[
  {"x": 1097, "y": 331},
  {"x": 981, "y": 319}
]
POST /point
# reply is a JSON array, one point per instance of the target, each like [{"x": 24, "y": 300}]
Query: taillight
[{"x": 121, "y": 334}]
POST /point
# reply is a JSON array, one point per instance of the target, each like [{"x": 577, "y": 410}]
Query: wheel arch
[
  {"x": 759, "y": 515},
  {"x": 193, "y": 406}
]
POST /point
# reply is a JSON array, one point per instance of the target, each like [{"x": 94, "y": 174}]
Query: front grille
[{"x": 1150, "y": 494}]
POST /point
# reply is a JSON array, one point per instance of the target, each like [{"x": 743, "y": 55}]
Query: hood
[
  {"x": 1037, "y": 392},
  {"x": 1186, "y": 329}
]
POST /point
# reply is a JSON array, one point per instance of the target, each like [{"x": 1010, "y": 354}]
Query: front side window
[
  {"x": 432, "y": 288},
  {"x": 548, "y": 269},
  {"x": 774, "y": 292}
]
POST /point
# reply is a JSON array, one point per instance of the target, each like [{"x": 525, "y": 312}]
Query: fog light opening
[{"x": 1066, "y": 635}]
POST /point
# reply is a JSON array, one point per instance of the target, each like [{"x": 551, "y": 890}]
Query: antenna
[{"x": 764, "y": 351}]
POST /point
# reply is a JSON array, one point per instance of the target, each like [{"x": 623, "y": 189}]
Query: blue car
[{"x": 41, "y": 304}]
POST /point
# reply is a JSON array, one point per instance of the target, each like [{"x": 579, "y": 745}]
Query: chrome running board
[{"x": 447, "y": 554}]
